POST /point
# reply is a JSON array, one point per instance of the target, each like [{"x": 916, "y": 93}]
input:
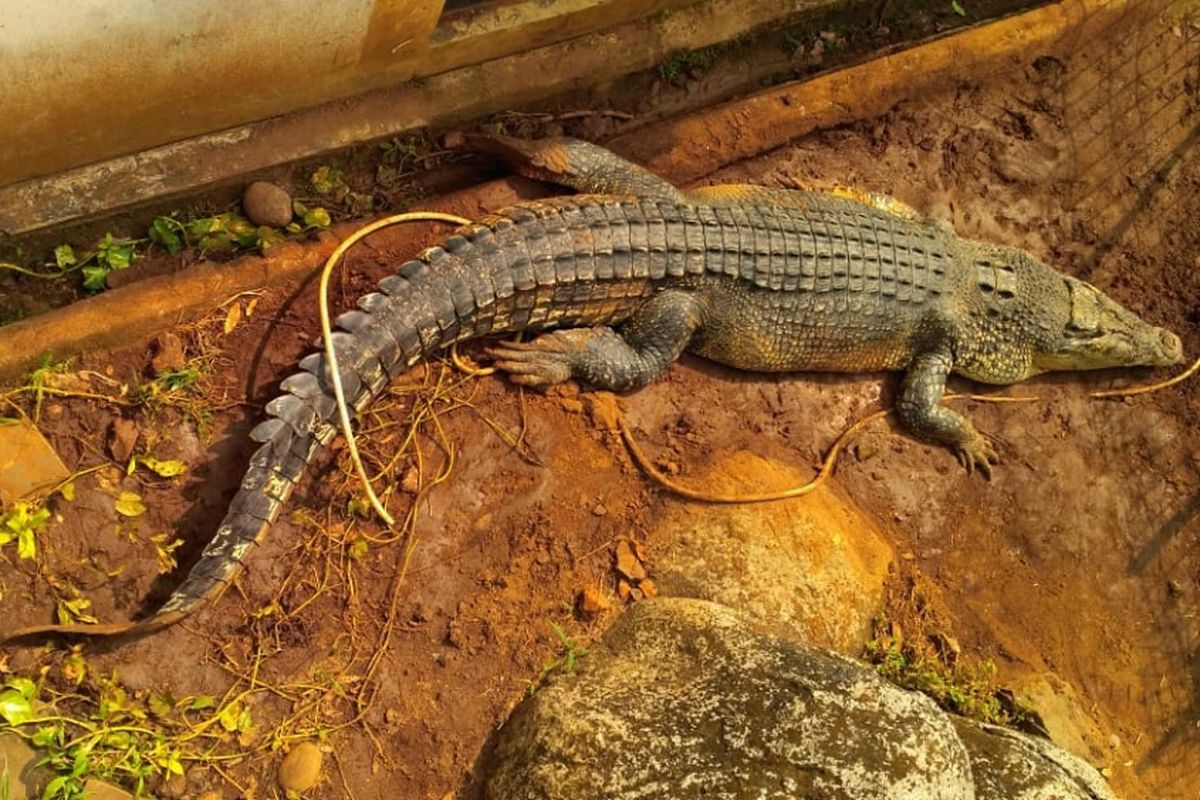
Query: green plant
[
  {"x": 957, "y": 8},
  {"x": 969, "y": 689},
  {"x": 22, "y": 524},
  {"x": 571, "y": 654},
  {"x": 684, "y": 62}
]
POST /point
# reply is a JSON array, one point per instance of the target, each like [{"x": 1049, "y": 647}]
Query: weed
[
  {"x": 41, "y": 378},
  {"x": 688, "y": 63},
  {"x": 22, "y": 524},
  {"x": 572, "y": 652},
  {"x": 967, "y": 689},
  {"x": 957, "y": 8}
]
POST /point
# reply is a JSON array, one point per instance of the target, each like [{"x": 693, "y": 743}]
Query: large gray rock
[{"x": 685, "y": 699}]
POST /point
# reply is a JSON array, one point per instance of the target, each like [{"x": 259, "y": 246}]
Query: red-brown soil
[{"x": 1079, "y": 558}]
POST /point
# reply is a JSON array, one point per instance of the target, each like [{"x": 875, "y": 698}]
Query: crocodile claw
[
  {"x": 978, "y": 454},
  {"x": 545, "y": 361}
]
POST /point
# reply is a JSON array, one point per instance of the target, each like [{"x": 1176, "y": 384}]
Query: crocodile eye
[{"x": 1076, "y": 332}]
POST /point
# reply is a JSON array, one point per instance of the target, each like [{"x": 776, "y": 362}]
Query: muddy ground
[{"x": 1079, "y": 559}]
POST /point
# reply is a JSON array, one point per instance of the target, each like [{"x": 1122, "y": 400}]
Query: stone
[
  {"x": 267, "y": 204},
  {"x": 816, "y": 563},
  {"x": 168, "y": 354},
  {"x": 688, "y": 699},
  {"x": 627, "y": 562},
  {"x": 592, "y": 601},
  {"x": 19, "y": 761},
  {"x": 301, "y": 768},
  {"x": 1010, "y": 765},
  {"x": 684, "y": 699},
  {"x": 122, "y": 439},
  {"x": 28, "y": 463}
]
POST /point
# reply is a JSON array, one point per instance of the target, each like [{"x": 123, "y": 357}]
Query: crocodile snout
[{"x": 1170, "y": 348}]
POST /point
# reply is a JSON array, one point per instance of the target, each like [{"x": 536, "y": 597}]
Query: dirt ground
[{"x": 1079, "y": 559}]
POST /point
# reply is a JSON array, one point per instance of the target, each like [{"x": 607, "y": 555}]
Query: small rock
[
  {"x": 411, "y": 482},
  {"x": 600, "y": 510},
  {"x": 267, "y": 204},
  {"x": 168, "y": 354},
  {"x": 122, "y": 438},
  {"x": 624, "y": 590},
  {"x": 301, "y": 768},
  {"x": 54, "y": 411},
  {"x": 628, "y": 564},
  {"x": 648, "y": 588},
  {"x": 591, "y": 601},
  {"x": 452, "y": 140},
  {"x": 572, "y": 405}
]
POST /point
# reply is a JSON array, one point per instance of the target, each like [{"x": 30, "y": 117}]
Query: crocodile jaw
[{"x": 1102, "y": 333}]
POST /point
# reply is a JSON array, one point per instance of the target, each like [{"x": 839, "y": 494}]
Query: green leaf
[
  {"x": 129, "y": 504},
  {"x": 9, "y": 421},
  {"x": 47, "y": 736},
  {"x": 25, "y": 686},
  {"x": 202, "y": 702},
  {"x": 117, "y": 256},
  {"x": 326, "y": 180},
  {"x": 68, "y": 492},
  {"x": 230, "y": 717},
  {"x": 26, "y": 545},
  {"x": 958, "y": 9},
  {"x": 163, "y": 231},
  {"x": 316, "y": 218},
  {"x": 94, "y": 277},
  {"x": 64, "y": 256},
  {"x": 15, "y": 708},
  {"x": 199, "y": 228}
]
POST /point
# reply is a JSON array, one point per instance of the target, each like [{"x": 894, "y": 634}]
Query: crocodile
[{"x": 624, "y": 276}]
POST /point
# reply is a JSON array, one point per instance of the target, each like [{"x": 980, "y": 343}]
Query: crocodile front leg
[
  {"x": 921, "y": 415},
  {"x": 646, "y": 345}
]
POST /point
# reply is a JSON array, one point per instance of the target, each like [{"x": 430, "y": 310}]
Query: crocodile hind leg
[
  {"x": 646, "y": 345},
  {"x": 921, "y": 415},
  {"x": 583, "y": 166}
]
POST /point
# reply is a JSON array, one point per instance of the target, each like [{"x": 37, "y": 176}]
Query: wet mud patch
[{"x": 1079, "y": 560}]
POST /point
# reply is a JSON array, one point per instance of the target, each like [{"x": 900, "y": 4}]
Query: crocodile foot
[
  {"x": 545, "y": 361},
  {"x": 977, "y": 453}
]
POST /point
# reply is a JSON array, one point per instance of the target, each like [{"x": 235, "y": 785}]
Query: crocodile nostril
[{"x": 1172, "y": 347}]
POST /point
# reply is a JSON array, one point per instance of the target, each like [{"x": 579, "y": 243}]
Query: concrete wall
[{"x": 87, "y": 79}]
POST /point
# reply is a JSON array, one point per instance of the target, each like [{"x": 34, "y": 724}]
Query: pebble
[
  {"x": 267, "y": 204},
  {"x": 301, "y": 768},
  {"x": 591, "y": 601}
]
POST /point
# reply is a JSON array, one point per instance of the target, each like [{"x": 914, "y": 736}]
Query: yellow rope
[{"x": 327, "y": 337}]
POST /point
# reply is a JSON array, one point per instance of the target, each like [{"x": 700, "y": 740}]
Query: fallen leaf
[
  {"x": 233, "y": 317},
  {"x": 129, "y": 504}
]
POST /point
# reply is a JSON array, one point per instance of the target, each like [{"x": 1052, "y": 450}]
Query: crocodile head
[
  {"x": 1027, "y": 318},
  {"x": 1096, "y": 332}
]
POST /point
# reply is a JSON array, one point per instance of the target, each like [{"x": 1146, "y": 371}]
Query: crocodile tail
[{"x": 461, "y": 290}]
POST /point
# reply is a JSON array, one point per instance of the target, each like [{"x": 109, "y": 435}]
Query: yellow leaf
[
  {"x": 253, "y": 304},
  {"x": 129, "y": 504},
  {"x": 165, "y": 469},
  {"x": 233, "y": 317},
  {"x": 68, "y": 492}
]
